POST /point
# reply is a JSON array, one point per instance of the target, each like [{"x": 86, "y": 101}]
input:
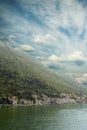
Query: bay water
[{"x": 61, "y": 117}]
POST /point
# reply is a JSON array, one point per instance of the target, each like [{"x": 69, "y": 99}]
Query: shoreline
[
  {"x": 43, "y": 100},
  {"x": 53, "y": 101}
]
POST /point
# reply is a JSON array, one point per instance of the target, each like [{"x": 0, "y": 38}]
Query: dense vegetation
[{"x": 23, "y": 76}]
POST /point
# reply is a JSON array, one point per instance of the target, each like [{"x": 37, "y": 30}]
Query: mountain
[{"x": 22, "y": 75}]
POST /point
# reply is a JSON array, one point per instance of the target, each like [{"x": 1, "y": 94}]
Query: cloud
[
  {"x": 77, "y": 55},
  {"x": 79, "y": 62},
  {"x": 11, "y": 36},
  {"x": 55, "y": 58},
  {"x": 52, "y": 65},
  {"x": 27, "y": 48},
  {"x": 44, "y": 39},
  {"x": 53, "y": 62},
  {"x": 55, "y": 66},
  {"x": 82, "y": 79}
]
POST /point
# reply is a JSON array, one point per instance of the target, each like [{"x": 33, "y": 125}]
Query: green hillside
[{"x": 22, "y": 75}]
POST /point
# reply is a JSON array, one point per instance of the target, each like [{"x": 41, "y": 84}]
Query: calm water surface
[{"x": 63, "y": 117}]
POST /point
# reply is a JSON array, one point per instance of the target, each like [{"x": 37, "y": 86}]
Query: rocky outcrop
[
  {"x": 13, "y": 100},
  {"x": 9, "y": 100}
]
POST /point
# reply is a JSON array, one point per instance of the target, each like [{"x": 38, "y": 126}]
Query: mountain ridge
[{"x": 21, "y": 75}]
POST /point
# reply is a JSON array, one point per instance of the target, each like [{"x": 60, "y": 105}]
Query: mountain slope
[{"x": 22, "y": 75}]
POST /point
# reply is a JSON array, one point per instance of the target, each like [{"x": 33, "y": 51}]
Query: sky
[{"x": 52, "y": 31}]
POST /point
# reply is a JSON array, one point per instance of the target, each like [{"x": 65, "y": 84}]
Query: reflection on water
[{"x": 63, "y": 117}]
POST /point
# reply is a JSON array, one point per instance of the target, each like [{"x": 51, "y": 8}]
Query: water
[{"x": 63, "y": 117}]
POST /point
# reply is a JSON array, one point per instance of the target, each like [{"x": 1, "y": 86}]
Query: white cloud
[
  {"x": 17, "y": 48},
  {"x": 44, "y": 39},
  {"x": 27, "y": 48},
  {"x": 77, "y": 55},
  {"x": 55, "y": 58},
  {"x": 39, "y": 39},
  {"x": 53, "y": 61},
  {"x": 82, "y": 78},
  {"x": 85, "y": 75},
  {"x": 11, "y": 36}
]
